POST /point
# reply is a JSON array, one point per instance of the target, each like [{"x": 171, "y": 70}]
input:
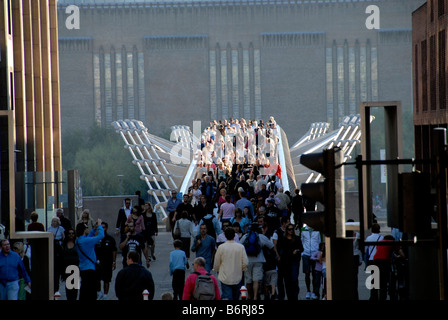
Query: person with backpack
[
  {"x": 230, "y": 262},
  {"x": 212, "y": 223},
  {"x": 200, "y": 284},
  {"x": 253, "y": 241}
]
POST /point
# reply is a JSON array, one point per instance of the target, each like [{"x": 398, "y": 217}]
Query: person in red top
[
  {"x": 198, "y": 266},
  {"x": 382, "y": 259},
  {"x": 34, "y": 225}
]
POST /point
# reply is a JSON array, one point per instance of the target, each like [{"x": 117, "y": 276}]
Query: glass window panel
[
  {"x": 235, "y": 85},
  {"x": 141, "y": 85},
  {"x": 213, "y": 97},
  {"x": 224, "y": 89},
  {"x": 257, "y": 84},
  {"x": 97, "y": 84},
  {"x": 130, "y": 75},
  {"x": 374, "y": 67},
  {"x": 246, "y": 84},
  {"x": 119, "y": 81},
  {"x": 363, "y": 73},
  {"x": 108, "y": 88},
  {"x": 352, "y": 80},
  {"x": 341, "y": 93},
  {"x": 329, "y": 67}
]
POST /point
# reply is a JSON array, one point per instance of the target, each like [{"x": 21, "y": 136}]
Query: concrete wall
[{"x": 293, "y": 75}]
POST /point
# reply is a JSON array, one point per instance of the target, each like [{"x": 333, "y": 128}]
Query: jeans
[
  {"x": 9, "y": 290},
  {"x": 230, "y": 292}
]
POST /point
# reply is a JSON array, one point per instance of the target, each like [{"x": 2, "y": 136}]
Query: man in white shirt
[{"x": 230, "y": 262}]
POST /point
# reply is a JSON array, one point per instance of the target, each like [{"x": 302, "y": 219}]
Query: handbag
[{"x": 176, "y": 233}]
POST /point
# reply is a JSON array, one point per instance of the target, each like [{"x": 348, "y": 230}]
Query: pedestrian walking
[
  {"x": 133, "y": 280},
  {"x": 230, "y": 263},
  {"x": 178, "y": 262},
  {"x": 310, "y": 241},
  {"x": 85, "y": 245},
  {"x": 106, "y": 252},
  {"x": 190, "y": 290},
  {"x": 205, "y": 246},
  {"x": 186, "y": 232},
  {"x": 11, "y": 270},
  {"x": 253, "y": 242}
]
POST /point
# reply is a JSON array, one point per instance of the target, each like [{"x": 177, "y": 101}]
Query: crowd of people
[
  {"x": 242, "y": 226},
  {"x": 219, "y": 218},
  {"x": 237, "y": 141},
  {"x": 93, "y": 250}
]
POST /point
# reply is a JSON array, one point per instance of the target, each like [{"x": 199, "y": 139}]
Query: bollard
[
  {"x": 57, "y": 295},
  {"x": 243, "y": 291},
  {"x": 145, "y": 294}
]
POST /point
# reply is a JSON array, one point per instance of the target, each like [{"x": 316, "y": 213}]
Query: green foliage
[{"x": 99, "y": 156}]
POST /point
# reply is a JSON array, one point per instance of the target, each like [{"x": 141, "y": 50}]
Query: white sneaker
[
  {"x": 99, "y": 295},
  {"x": 313, "y": 296},
  {"x": 308, "y": 295}
]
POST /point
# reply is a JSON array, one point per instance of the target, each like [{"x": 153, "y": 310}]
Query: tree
[{"x": 99, "y": 156}]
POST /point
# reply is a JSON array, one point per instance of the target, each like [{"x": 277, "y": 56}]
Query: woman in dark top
[
  {"x": 69, "y": 258},
  {"x": 151, "y": 229},
  {"x": 290, "y": 248}
]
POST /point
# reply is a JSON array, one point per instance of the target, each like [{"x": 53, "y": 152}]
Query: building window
[
  {"x": 108, "y": 87},
  {"x": 141, "y": 85},
  {"x": 213, "y": 94},
  {"x": 257, "y": 84},
  {"x": 235, "y": 83},
  {"x": 441, "y": 8},
  {"x": 442, "y": 72},
  {"x": 329, "y": 68},
  {"x": 246, "y": 83},
  {"x": 424, "y": 76},
  {"x": 351, "y": 78},
  {"x": 119, "y": 89},
  {"x": 224, "y": 88},
  {"x": 119, "y": 84},
  {"x": 97, "y": 87},
  {"x": 416, "y": 82},
  {"x": 432, "y": 73},
  {"x": 341, "y": 80},
  {"x": 374, "y": 72}
]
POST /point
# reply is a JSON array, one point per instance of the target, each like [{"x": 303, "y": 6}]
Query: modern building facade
[
  {"x": 172, "y": 62},
  {"x": 30, "y": 126},
  {"x": 429, "y": 42}
]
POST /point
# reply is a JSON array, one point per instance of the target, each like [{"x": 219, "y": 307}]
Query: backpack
[
  {"x": 272, "y": 187},
  {"x": 204, "y": 288},
  {"x": 252, "y": 244},
  {"x": 210, "y": 227}
]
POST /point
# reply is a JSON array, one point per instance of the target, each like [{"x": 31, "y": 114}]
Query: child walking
[
  {"x": 317, "y": 273},
  {"x": 178, "y": 261}
]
